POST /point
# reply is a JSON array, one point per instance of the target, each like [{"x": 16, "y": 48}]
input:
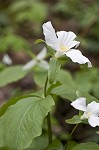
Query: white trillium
[
  {"x": 7, "y": 60},
  {"x": 38, "y": 60},
  {"x": 64, "y": 42},
  {"x": 91, "y": 111}
]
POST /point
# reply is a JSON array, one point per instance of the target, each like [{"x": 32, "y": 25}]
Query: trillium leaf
[
  {"x": 65, "y": 78},
  {"x": 65, "y": 91},
  {"x": 69, "y": 92},
  {"x": 6, "y": 148},
  {"x": 13, "y": 101},
  {"x": 74, "y": 120},
  {"x": 22, "y": 122},
  {"x": 85, "y": 77},
  {"x": 54, "y": 85},
  {"x": 86, "y": 146},
  {"x": 1, "y": 138},
  {"x": 39, "y": 41},
  {"x": 39, "y": 77},
  {"x": 39, "y": 143},
  {"x": 53, "y": 69},
  {"x": 56, "y": 145},
  {"x": 71, "y": 144},
  {"x": 89, "y": 97},
  {"x": 11, "y": 74}
]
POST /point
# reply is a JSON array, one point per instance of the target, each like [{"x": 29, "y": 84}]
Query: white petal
[
  {"x": 42, "y": 54},
  {"x": 79, "y": 103},
  {"x": 66, "y": 37},
  {"x": 43, "y": 64},
  {"x": 62, "y": 36},
  {"x": 50, "y": 35},
  {"x": 76, "y": 56},
  {"x": 93, "y": 107},
  {"x": 30, "y": 64},
  {"x": 6, "y": 59},
  {"x": 73, "y": 44},
  {"x": 93, "y": 121}
]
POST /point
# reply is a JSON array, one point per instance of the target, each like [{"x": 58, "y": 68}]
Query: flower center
[
  {"x": 86, "y": 115},
  {"x": 64, "y": 48}
]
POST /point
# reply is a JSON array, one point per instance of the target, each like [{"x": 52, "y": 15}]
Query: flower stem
[
  {"x": 70, "y": 136},
  {"x": 48, "y": 116},
  {"x": 45, "y": 87},
  {"x": 49, "y": 128}
]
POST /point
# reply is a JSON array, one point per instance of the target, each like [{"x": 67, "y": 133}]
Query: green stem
[
  {"x": 70, "y": 136},
  {"x": 49, "y": 128},
  {"x": 45, "y": 87},
  {"x": 48, "y": 116}
]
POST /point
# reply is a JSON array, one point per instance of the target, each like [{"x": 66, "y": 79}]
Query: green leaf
[
  {"x": 1, "y": 138},
  {"x": 28, "y": 11},
  {"x": 6, "y": 148},
  {"x": 96, "y": 89},
  {"x": 89, "y": 97},
  {"x": 69, "y": 92},
  {"x": 22, "y": 122},
  {"x": 71, "y": 144},
  {"x": 39, "y": 77},
  {"x": 85, "y": 77},
  {"x": 10, "y": 41},
  {"x": 53, "y": 69},
  {"x": 12, "y": 74},
  {"x": 39, "y": 143},
  {"x": 54, "y": 85},
  {"x": 56, "y": 145},
  {"x": 2, "y": 66},
  {"x": 39, "y": 41},
  {"x": 65, "y": 91},
  {"x": 65, "y": 77},
  {"x": 14, "y": 100},
  {"x": 74, "y": 120},
  {"x": 86, "y": 146}
]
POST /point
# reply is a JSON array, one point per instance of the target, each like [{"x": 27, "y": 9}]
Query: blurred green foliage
[
  {"x": 86, "y": 14},
  {"x": 15, "y": 15}
]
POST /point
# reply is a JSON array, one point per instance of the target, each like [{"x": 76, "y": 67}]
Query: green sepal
[
  {"x": 51, "y": 51},
  {"x": 39, "y": 41},
  {"x": 74, "y": 120}
]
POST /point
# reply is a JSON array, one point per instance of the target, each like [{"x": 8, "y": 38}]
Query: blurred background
[{"x": 21, "y": 24}]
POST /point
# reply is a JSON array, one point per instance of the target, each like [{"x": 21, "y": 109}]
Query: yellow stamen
[
  {"x": 88, "y": 114},
  {"x": 64, "y": 48}
]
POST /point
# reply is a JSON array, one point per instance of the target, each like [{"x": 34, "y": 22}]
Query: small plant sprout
[
  {"x": 91, "y": 111},
  {"x": 38, "y": 60},
  {"x": 64, "y": 43}
]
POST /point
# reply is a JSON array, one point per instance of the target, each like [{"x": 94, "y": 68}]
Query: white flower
[
  {"x": 91, "y": 111},
  {"x": 63, "y": 42},
  {"x": 7, "y": 60},
  {"x": 38, "y": 60}
]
